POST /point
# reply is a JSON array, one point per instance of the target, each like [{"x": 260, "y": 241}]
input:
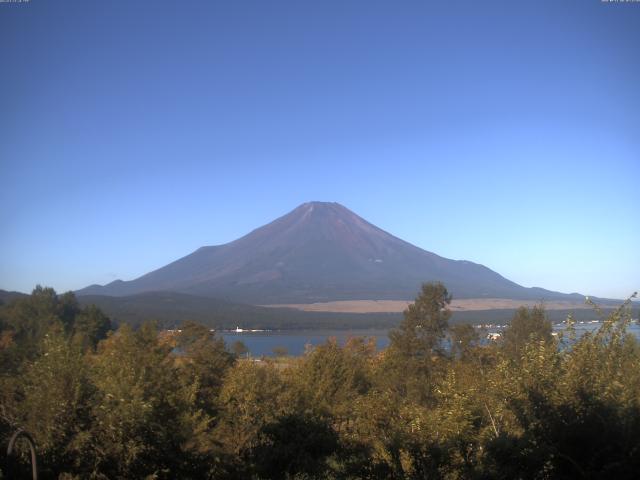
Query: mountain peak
[
  {"x": 325, "y": 223},
  {"x": 319, "y": 204},
  {"x": 320, "y": 251},
  {"x": 315, "y": 206}
]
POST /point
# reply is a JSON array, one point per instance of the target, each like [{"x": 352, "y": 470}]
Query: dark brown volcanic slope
[{"x": 319, "y": 252}]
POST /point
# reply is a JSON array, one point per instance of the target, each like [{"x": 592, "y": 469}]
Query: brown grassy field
[{"x": 383, "y": 306}]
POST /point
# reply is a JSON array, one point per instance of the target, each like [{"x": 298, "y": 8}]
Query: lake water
[{"x": 295, "y": 341}]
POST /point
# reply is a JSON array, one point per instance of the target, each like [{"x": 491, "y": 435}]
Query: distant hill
[
  {"x": 320, "y": 252},
  {"x": 6, "y": 297}
]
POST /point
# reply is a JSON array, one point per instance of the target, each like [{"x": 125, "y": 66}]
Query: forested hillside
[
  {"x": 140, "y": 403},
  {"x": 171, "y": 309}
]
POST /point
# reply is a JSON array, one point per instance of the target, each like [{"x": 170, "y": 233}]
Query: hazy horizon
[{"x": 503, "y": 133}]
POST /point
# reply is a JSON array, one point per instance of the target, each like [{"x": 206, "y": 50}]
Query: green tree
[
  {"x": 414, "y": 348},
  {"x": 331, "y": 378},
  {"x": 294, "y": 446},
  {"x": 464, "y": 338},
  {"x": 29, "y": 319},
  {"x": 90, "y": 325},
  {"x": 140, "y": 409},
  {"x": 253, "y": 395},
  {"x": 55, "y": 407},
  {"x": 26, "y": 321},
  {"x": 573, "y": 413},
  {"x": 204, "y": 361},
  {"x": 425, "y": 323},
  {"x": 527, "y": 325}
]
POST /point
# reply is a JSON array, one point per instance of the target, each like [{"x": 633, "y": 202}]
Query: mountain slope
[{"x": 319, "y": 252}]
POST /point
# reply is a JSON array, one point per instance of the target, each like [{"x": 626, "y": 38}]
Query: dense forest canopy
[{"x": 142, "y": 403}]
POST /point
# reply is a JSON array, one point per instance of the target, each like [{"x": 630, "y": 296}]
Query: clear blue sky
[{"x": 506, "y": 133}]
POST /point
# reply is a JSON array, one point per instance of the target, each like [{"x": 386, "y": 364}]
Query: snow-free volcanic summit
[{"x": 320, "y": 252}]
